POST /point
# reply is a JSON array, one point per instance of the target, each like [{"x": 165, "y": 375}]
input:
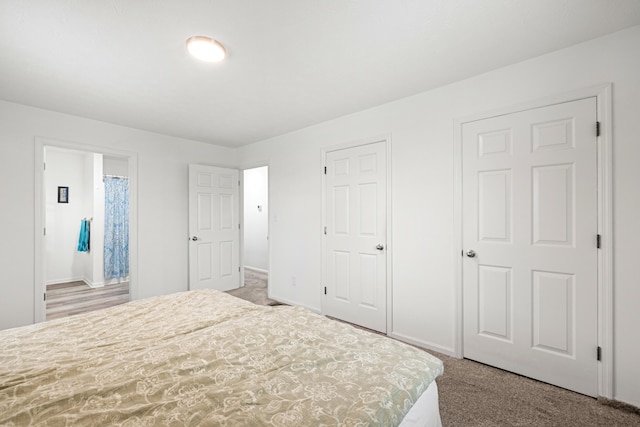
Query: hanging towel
[{"x": 83, "y": 241}]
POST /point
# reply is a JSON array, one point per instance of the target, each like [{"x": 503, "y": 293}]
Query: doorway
[
  {"x": 256, "y": 232},
  {"x": 87, "y": 239},
  {"x": 85, "y": 257}
]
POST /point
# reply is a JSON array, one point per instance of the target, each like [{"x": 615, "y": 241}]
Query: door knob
[
  {"x": 194, "y": 238},
  {"x": 471, "y": 253},
  {"x": 379, "y": 246}
]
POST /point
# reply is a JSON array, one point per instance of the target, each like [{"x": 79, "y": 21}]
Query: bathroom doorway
[{"x": 83, "y": 258}]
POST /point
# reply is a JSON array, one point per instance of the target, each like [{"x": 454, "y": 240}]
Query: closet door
[
  {"x": 529, "y": 236},
  {"x": 355, "y": 236}
]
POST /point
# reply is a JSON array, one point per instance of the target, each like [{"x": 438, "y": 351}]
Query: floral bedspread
[{"x": 206, "y": 358}]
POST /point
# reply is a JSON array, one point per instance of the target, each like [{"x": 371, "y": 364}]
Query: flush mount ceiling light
[{"x": 206, "y": 49}]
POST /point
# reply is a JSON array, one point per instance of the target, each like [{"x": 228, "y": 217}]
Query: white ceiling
[{"x": 291, "y": 63}]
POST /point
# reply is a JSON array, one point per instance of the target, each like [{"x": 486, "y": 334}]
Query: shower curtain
[{"x": 116, "y": 227}]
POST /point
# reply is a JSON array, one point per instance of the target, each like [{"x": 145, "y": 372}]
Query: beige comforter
[{"x": 206, "y": 358}]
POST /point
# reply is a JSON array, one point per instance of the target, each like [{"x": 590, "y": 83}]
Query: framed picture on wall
[{"x": 63, "y": 194}]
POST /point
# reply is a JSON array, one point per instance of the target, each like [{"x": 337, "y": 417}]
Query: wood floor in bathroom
[{"x": 67, "y": 299}]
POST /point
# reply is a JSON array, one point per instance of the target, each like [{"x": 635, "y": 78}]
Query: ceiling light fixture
[{"x": 206, "y": 49}]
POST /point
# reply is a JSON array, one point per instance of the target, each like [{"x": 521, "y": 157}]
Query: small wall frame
[{"x": 63, "y": 194}]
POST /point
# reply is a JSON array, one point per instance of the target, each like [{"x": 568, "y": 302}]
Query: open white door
[
  {"x": 214, "y": 228},
  {"x": 530, "y": 242},
  {"x": 355, "y": 245}
]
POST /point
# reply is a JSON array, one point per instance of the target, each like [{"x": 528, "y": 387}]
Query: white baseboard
[
  {"x": 116, "y": 280},
  {"x": 64, "y": 280},
  {"x": 88, "y": 282},
  {"x": 292, "y": 303},
  {"x": 259, "y": 270},
  {"x": 423, "y": 344},
  {"x": 91, "y": 284}
]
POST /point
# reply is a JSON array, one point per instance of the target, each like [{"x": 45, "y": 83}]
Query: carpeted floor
[
  {"x": 473, "y": 394},
  {"x": 254, "y": 289},
  {"x": 477, "y": 395}
]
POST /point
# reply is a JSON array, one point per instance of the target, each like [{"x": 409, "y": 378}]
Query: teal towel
[{"x": 83, "y": 241}]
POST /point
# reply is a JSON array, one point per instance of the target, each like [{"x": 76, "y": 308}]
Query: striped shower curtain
[{"x": 116, "y": 227}]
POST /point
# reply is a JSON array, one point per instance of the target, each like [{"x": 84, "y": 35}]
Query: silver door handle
[
  {"x": 379, "y": 246},
  {"x": 194, "y": 238},
  {"x": 471, "y": 253}
]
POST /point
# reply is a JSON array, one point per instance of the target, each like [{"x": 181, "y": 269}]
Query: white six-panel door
[
  {"x": 355, "y": 245},
  {"x": 214, "y": 235},
  {"x": 529, "y": 239}
]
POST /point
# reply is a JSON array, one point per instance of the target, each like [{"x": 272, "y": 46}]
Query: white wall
[
  {"x": 162, "y": 201},
  {"x": 94, "y": 268},
  {"x": 63, "y": 262},
  {"x": 115, "y": 166},
  {"x": 256, "y": 224},
  {"x": 87, "y": 212},
  {"x": 422, "y": 184},
  {"x": 82, "y": 173}
]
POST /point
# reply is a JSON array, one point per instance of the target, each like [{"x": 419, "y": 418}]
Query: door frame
[
  {"x": 242, "y": 227},
  {"x": 39, "y": 285},
  {"x": 386, "y": 140},
  {"x": 604, "y": 166}
]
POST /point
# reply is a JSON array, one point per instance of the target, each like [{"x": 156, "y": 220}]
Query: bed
[{"x": 208, "y": 358}]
